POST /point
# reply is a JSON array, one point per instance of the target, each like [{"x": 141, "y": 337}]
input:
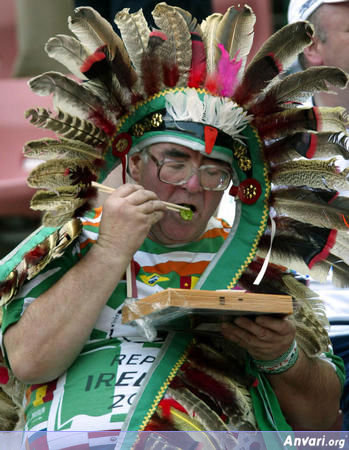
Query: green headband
[{"x": 197, "y": 122}]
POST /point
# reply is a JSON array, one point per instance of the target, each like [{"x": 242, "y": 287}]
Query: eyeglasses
[{"x": 211, "y": 176}]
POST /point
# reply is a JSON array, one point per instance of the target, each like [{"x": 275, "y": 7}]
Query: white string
[
  {"x": 266, "y": 259},
  {"x": 129, "y": 281}
]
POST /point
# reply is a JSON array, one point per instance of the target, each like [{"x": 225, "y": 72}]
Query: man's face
[
  {"x": 334, "y": 19},
  {"x": 172, "y": 229}
]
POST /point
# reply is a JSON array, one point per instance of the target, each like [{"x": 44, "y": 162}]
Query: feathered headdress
[{"x": 190, "y": 83}]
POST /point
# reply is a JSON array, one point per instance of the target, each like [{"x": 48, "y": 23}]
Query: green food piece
[{"x": 186, "y": 214}]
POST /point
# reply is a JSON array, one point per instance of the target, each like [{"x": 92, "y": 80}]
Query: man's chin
[{"x": 170, "y": 232}]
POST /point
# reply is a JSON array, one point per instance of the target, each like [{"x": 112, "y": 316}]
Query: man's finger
[{"x": 280, "y": 326}]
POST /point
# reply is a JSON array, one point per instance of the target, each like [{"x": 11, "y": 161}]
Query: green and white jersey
[{"x": 98, "y": 389}]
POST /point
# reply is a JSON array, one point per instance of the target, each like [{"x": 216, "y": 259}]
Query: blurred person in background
[{"x": 330, "y": 43}]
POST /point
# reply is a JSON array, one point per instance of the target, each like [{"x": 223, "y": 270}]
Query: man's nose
[{"x": 193, "y": 184}]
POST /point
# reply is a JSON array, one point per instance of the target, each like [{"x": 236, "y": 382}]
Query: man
[
  {"x": 330, "y": 43},
  {"x": 184, "y": 144}
]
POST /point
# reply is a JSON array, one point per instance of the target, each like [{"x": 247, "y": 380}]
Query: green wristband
[{"x": 280, "y": 364}]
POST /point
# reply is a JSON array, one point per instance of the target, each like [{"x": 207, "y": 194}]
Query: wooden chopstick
[{"x": 170, "y": 206}]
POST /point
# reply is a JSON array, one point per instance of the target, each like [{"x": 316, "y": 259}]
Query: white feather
[{"x": 222, "y": 114}]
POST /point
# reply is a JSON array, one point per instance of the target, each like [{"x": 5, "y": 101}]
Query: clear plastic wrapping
[{"x": 198, "y": 310}]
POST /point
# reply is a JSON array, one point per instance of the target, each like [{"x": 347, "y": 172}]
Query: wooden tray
[{"x": 169, "y": 306}]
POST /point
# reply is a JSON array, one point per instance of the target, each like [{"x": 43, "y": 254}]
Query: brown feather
[
  {"x": 306, "y": 206},
  {"x": 66, "y": 199},
  {"x": 209, "y": 30},
  {"x": 172, "y": 23},
  {"x": 84, "y": 31},
  {"x": 312, "y": 337},
  {"x": 340, "y": 271},
  {"x": 191, "y": 21},
  {"x": 302, "y": 119},
  {"x": 297, "y": 289},
  {"x": 284, "y": 256},
  {"x": 68, "y": 51},
  {"x": 135, "y": 34},
  {"x": 116, "y": 51},
  {"x": 309, "y": 145},
  {"x": 286, "y": 44},
  {"x": 66, "y": 125},
  {"x": 87, "y": 21},
  {"x": 46, "y": 149},
  {"x": 57, "y": 217},
  {"x": 256, "y": 79},
  {"x": 235, "y": 31},
  {"x": 68, "y": 95},
  {"x": 298, "y": 87},
  {"x": 62, "y": 172},
  {"x": 275, "y": 55},
  {"x": 227, "y": 393},
  {"x": 314, "y": 174}
]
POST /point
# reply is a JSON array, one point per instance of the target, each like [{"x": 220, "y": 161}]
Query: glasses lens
[
  {"x": 214, "y": 177},
  {"x": 175, "y": 172},
  {"x": 211, "y": 177}
]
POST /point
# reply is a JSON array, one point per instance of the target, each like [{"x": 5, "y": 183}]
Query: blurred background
[{"x": 25, "y": 26}]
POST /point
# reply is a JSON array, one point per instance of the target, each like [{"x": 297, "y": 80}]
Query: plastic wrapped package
[{"x": 198, "y": 310}]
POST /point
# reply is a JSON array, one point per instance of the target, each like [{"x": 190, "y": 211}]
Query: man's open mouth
[{"x": 187, "y": 205}]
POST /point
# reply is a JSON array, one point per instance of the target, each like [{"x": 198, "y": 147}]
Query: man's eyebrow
[
  {"x": 175, "y": 153},
  {"x": 215, "y": 162}
]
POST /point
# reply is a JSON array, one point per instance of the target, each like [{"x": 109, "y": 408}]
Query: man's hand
[
  {"x": 264, "y": 338},
  {"x": 307, "y": 403},
  {"x": 71, "y": 307},
  {"x": 128, "y": 214}
]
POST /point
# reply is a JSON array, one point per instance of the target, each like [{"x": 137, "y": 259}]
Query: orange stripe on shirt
[
  {"x": 91, "y": 224},
  {"x": 98, "y": 212},
  {"x": 85, "y": 243},
  {"x": 215, "y": 232},
  {"x": 183, "y": 268}
]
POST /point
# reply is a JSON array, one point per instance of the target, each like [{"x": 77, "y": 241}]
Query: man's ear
[
  {"x": 313, "y": 53},
  {"x": 135, "y": 164}
]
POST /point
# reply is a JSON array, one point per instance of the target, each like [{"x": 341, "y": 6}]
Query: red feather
[
  {"x": 208, "y": 384},
  {"x": 151, "y": 63},
  {"x": 158, "y": 34},
  {"x": 211, "y": 84},
  {"x": 273, "y": 125},
  {"x": 95, "y": 65},
  {"x": 135, "y": 98},
  {"x": 166, "y": 404},
  {"x": 151, "y": 74},
  {"x": 198, "y": 69},
  {"x": 256, "y": 77},
  {"x": 36, "y": 255},
  {"x": 4, "y": 376},
  {"x": 273, "y": 271},
  {"x": 98, "y": 118},
  {"x": 170, "y": 74}
]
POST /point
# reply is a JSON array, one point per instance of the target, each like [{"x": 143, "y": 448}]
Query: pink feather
[{"x": 227, "y": 72}]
